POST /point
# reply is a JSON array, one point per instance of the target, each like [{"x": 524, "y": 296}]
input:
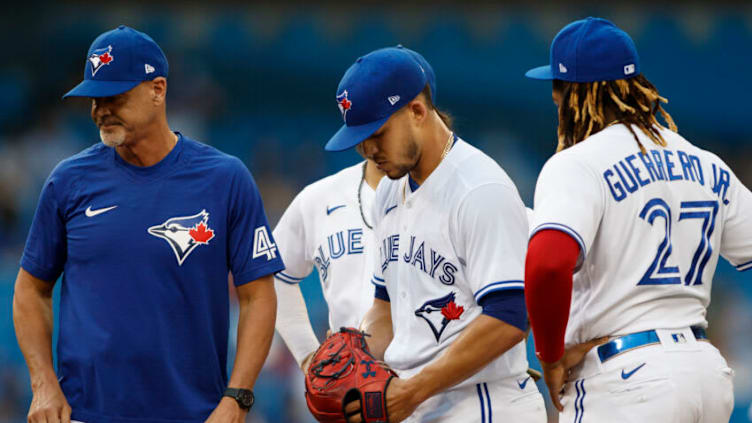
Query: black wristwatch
[{"x": 244, "y": 397}]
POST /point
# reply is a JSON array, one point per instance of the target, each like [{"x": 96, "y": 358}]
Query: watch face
[{"x": 245, "y": 397}]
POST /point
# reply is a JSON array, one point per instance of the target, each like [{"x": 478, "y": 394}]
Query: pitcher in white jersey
[
  {"x": 630, "y": 219},
  {"x": 448, "y": 314},
  {"x": 329, "y": 225}
]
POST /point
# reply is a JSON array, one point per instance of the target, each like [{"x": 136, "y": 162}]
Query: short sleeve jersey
[
  {"x": 145, "y": 254},
  {"x": 650, "y": 228},
  {"x": 324, "y": 227},
  {"x": 442, "y": 248}
]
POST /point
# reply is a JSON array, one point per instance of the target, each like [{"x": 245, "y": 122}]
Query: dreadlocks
[{"x": 585, "y": 107}]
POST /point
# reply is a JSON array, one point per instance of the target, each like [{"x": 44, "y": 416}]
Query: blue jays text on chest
[
  {"x": 416, "y": 256},
  {"x": 637, "y": 170},
  {"x": 339, "y": 247}
]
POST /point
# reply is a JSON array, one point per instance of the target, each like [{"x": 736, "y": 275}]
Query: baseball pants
[
  {"x": 681, "y": 380},
  {"x": 508, "y": 400}
]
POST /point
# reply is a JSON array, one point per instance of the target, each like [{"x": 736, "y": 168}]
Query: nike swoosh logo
[
  {"x": 329, "y": 211},
  {"x": 524, "y": 383},
  {"x": 626, "y": 376},
  {"x": 92, "y": 213},
  {"x": 390, "y": 209}
]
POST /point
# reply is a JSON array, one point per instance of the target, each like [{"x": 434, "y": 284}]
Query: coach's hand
[
  {"x": 400, "y": 402},
  {"x": 228, "y": 411},
  {"x": 556, "y": 374},
  {"x": 48, "y": 405}
]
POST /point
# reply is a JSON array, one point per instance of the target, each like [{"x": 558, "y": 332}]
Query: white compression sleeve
[{"x": 293, "y": 324}]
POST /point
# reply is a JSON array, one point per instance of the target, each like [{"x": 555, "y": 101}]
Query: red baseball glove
[{"x": 343, "y": 370}]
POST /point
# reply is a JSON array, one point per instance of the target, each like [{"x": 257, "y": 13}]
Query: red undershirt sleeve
[{"x": 549, "y": 266}]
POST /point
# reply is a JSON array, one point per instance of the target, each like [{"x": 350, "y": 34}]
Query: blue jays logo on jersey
[
  {"x": 184, "y": 233},
  {"x": 439, "y": 312},
  {"x": 344, "y": 104},
  {"x": 99, "y": 58}
]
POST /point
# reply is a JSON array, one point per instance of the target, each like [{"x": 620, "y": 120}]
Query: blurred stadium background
[{"x": 259, "y": 82}]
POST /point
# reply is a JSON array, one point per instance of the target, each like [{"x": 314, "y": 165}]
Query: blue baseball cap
[
  {"x": 117, "y": 61},
  {"x": 589, "y": 50},
  {"x": 373, "y": 88},
  {"x": 430, "y": 75}
]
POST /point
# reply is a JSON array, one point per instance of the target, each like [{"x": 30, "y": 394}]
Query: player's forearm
[
  {"x": 32, "y": 319},
  {"x": 377, "y": 322},
  {"x": 258, "y": 307},
  {"x": 293, "y": 324},
  {"x": 482, "y": 341}
]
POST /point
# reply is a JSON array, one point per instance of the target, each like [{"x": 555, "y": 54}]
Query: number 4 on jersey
[{"x": 263, "y": 245}]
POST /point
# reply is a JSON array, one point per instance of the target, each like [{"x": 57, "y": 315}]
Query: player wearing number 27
[{"x": 640, "y": 216}]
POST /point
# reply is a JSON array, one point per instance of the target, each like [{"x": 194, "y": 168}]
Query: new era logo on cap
[
  {"x": 148, "y": 68},
  {"x": 629, "y": 69},
  {"x": 393, "y": 99},
  {"x": 562, "y": 68}
]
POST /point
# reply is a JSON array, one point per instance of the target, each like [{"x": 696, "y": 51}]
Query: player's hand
[
  {"x": 307, "y": 362},
  {"x": 48, "y": 405},
  {"x": 556, "y": 374},
  {"x": 228, "y": 411},
  {"x": 400, "y": 403}
]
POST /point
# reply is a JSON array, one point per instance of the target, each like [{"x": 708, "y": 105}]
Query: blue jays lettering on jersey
[
  {"x": 324, "y": 228},
  {"x": 145, "y": 254},
  {"x": 427, "y": 260}
]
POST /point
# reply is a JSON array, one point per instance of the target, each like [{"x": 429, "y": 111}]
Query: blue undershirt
[{"x": 413, "y": 185}]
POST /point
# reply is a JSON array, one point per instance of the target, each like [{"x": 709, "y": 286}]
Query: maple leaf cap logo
[
  {"x": 344, "y": 104},
  {"x": 100, "y": 58}
]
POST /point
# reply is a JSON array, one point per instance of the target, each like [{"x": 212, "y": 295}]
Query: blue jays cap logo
[
  {"x": 184, "y": 234},
  {"x": 99, "y": 58},
  {"x": 439, "y": 312},
  {"x": 344, "y": 104}
]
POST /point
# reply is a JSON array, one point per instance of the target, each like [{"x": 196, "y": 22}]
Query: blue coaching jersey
[{"x": 145, "y": 254}]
